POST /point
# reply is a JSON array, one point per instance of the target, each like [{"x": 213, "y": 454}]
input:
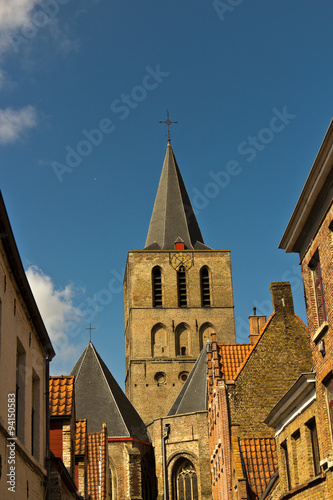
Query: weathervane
[
  {"x": 90, "y": 328},
  {"x": 168, "y": 123}
]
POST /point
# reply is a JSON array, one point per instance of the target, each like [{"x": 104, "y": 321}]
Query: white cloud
[
  {"x": 14, "y": 123},
  {"x": 59, "y": 314},
  {"x": 15, "y": 13}
]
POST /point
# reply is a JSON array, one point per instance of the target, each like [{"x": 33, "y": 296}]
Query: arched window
[
  {"x": 159, "y": 340},
  {"x": 182, "y": 340},
  {"x": 205, "y": 333},
  {"x": 157, "y": 287},
  {"x": 184, "y": 481},
  {"x": 181, "y": 282},
  {"x": 205, "y": 288}
]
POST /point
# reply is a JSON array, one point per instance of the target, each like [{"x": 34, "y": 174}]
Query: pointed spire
[{"x": 173, "y": 216}]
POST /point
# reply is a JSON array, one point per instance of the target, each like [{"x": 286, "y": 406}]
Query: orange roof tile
[
  {"x": 231, "y": 357},
  {"x": 80, "y": 436},
  {"x": 97, "y": 452},
  {"x": 260, "y": 462},
  {"x": 61, "y": 396}
]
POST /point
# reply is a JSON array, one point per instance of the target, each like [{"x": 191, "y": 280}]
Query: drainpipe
[
  {"x": 164, "y": 438},
  {"x": 47, "y": 416}
]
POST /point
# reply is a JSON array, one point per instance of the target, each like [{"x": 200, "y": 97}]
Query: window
[
  {"x": 286, "y": 463},
  {"x": 329, "y": 395},
  {"x": 182, "y": 338},
  {"x": 318, "y": 288},
  {"x": 157, "y": 287},
  {"x": 314, "y": 445},
  {"x": 182, "y": 295},
  {"x": 205, "y": 289},
  {"x": 159, "y": 340},
  {"x": 185, "y": 485},
  {"x": 35, "y": 415},
  {"x": 20, "y": 390}
]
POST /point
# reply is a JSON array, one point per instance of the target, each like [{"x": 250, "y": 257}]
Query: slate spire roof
[
  {"x": 173, "y": 216},
  {"x": 99, "y": 399},
  {"x": 194, "y": 395}
]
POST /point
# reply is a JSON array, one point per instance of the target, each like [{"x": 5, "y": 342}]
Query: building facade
[
  {"x": 25, "y": 353},
  {"x": 310, "y": 234}
]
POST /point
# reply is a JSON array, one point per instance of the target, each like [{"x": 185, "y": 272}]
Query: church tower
[{"x": 177, "y": 292}]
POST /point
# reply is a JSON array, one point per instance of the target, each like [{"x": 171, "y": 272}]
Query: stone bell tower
[{"x": 177, "y": 292}]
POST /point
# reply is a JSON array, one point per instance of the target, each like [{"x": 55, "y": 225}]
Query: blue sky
[{"x": 82, "y": 88}]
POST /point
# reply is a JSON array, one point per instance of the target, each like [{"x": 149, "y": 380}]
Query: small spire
[
  {"x": 168, "y": 123},
  {"x": 90, "y": 328}
]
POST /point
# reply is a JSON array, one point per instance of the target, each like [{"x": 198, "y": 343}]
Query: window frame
[{"x": 318, "y": 288}]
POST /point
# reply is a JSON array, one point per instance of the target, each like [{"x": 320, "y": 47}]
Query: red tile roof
[
  {"x": 231, "y": 358},
  {"x": 260, "y": 462},
  {"x": 61, "y": 396},
  {"x": 97, "y": 453},
  {"x": 80, "y": 436}
]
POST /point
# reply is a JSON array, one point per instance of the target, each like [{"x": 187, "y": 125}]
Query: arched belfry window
[
  {"x": 205, "y": 288},
  {"x": 157, "y": 287},
  {"x": 181, "y": 283},
  {"x": 184, "y": 481}
]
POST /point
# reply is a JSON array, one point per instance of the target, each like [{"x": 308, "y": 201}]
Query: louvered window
[
  {"x": 157, "y": 287},
  {"x": 205, "y": 288},
  {"x": 182, "y": 295}
]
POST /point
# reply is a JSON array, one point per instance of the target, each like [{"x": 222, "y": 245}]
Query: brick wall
[{"x": 279, "y": 356}]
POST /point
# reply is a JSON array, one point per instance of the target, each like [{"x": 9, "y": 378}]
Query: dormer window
[{"x": 157, "y": 287}]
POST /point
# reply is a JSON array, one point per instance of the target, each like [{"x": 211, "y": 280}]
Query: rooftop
[{"x": 61, "y": 396}]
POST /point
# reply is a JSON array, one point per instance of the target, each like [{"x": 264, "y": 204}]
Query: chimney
[
  {"x": 282, "y": 298},
  {"x": 256, "y": 325}
]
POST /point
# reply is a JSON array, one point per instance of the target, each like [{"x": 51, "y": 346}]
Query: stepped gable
[
  {"x": 99, "y": 398},
  {"x": 193, "y": 396},
  {"x": 173, "y": 216}
]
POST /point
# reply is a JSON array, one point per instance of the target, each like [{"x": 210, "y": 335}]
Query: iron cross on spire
[
  {"x": 90, "y": 328},
  {"x": 168, "y": 123}
]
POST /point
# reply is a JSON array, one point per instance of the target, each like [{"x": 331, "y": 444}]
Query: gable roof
[
  {"x": 259, "y": 460},
  {"x": 173, "y": 216},
  {"x": 98, "y": 398},
  {"x": 231, "y": 358},
  {"x": 193, "y": 396},
  {"x": 97, "y": 453},
  {"x": 61, "y": 397}
]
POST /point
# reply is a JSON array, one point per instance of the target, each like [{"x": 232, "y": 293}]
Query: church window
[
  {"x": 160, "y": 378},
  {"x": 181, "y": 282},
  {"x": 159, "y": 340},
  {"x": 205, "y": 333},
  {"x": 205, "y": 288},
  {"x": 183, "y": 376},
  {"x": 182, "y": 340},
  {"x": 185, "y": 484},
  {"x": 157, "y": 287},
  {"x": 318, "y": 288}
]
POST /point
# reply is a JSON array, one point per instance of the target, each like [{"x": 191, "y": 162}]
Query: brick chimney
[
  {"x": 282, "y": 299},
  {"x": 256, "y": 325}
]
